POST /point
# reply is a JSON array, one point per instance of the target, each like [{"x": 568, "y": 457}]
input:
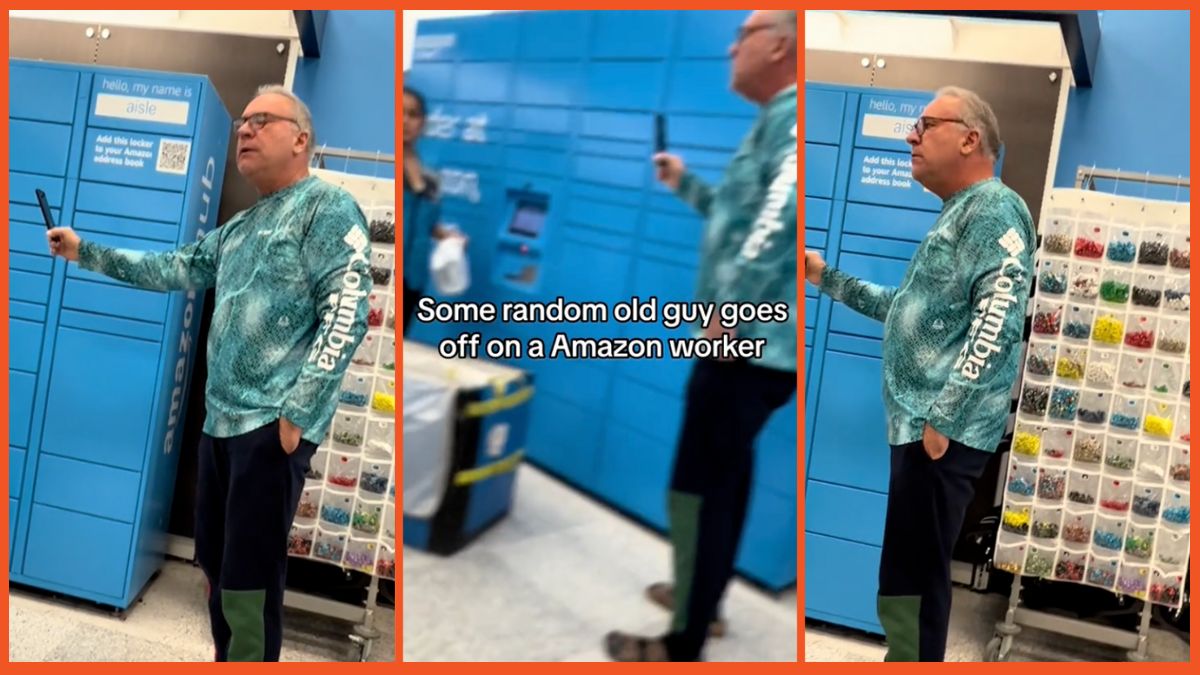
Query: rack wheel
[
  {"x": 364, "y": 647},
  {"x": 367, "y": 632},
  {"x": 992, "y": 651},
  {"x": 1136, "y": 656}
]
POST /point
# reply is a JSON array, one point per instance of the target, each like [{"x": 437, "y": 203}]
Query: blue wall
[
  {"x": 351, "y": 88},
  {"x": 1135, "y": 117}
]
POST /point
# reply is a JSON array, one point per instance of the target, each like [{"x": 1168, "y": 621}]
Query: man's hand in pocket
[
  {"x": 935, "y": 443},
  {"x": 289, "y": 435}
]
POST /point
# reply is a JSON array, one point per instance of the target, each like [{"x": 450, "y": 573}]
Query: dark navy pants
[
  {"x": 247, "y": 494},
  {"x": 727, "y": 405},
  {"x": 927, "y": 501}
]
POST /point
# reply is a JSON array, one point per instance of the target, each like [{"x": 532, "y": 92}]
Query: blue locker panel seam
[
  {"x": 820, "y": 331},
  {"x": 837, "y": 538},
  {"x": 85, "y": 513},
  {"x": 96, "y": 331},
  {"x": 94, "y": 181},
  {"x": 841, "y": 180},
  {"x": 76, "y": 591},
  {"x": 893, "y": 206}
]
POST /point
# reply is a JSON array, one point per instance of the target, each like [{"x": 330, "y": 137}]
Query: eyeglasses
[
  {"x": 925, "y": 123},
  {"x": 259, "y": 120},
  {"x": 744, "y": 32}
]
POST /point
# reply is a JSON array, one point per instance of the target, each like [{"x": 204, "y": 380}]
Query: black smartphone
[
  {"x": 45, "y": 204},
  {"x": 660, "y": 133}
]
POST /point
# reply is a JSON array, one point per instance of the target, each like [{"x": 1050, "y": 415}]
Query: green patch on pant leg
[
  {"x": 684, "y": 513},
  {"x": 244, "y": 613},
  {"x": 900, "y": 617}
]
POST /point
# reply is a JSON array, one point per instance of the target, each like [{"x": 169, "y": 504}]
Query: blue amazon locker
[
  {"x": 99, "y": 370},
  {"x": 542, "y": 126},
  {"x": 866, "y": 215}
]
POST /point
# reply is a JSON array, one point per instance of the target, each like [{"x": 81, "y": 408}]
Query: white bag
[{"x": 451, "y": 271}]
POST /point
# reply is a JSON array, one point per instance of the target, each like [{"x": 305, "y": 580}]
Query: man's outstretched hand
[{"x": 935, "y": 443}]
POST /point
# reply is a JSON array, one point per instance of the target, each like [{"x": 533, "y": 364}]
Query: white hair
[
  {"x": 977, "y": 115},
  {"x": 303, "y": 116}
]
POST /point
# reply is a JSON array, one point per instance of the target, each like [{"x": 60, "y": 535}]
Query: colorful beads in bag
[
  {"x": 1048, "y": 322},
  {"x": 1106, "y": 539},
  {"x": 1020, "y": 485},
  {"x": 1181, "y": 259},
  {"x": 1108, "y": 329},
  {"x": 366, "y": 522},
  {"x": 1146, "y": 297},
  {"x": 1178, "y": 300},
  {"x": 1070, "y": 368},
  {"x": 1164, "y": 594},
  {"x": 1086, "y": 248},
  {"x": 386, "y": 568},
  {"x": 1100, "y": 374},
  {"x": 1039, "y": 365},
  {"x": 384, "y": 402},
  {"x": 1101, "y": 576},
  {"x": 1114, "y": 291},
  {"x": 328, "y": 551},
  {"x": 306, "y": 509},
  {"x": 353, "y": 398},
  {"x": 1180, "y": 515},
  {"x": 374, "y": 483},
  {"x": 1138, "y": 547},
  {"x": 1122, "y": 462},
  {"x": 375, "y": 317},
  {"x": 348, "y": 438},
  {"x": 1158, "y": 426},
  {"x": 1088, "y": 450},
  {"x": 1153, "y": 253},
  {"x": 1080, "y": 497},
  {"x": 1124, "y": 421},
  {"x": 1053, "y": 283},
  {"x": 1051, "y": 486},
  {"x": 335, "y": 515},
  {"x": 1132, "y": 585},
  {"x": 1034, "y": 401},
  {"x": 1115, "y": 505},
  {"x": 299, "y": 545},
  {"x": 1027, "y": 444},
  {"x": 1142, "y": 339},
  {"x": 1146, "y": 506},
  {"x": 1077, "y": 330},
  {"x": 1064, "y": 403},
  {"x": 1122, "y": 251},
  {"x": 360, "y": 560},
  {"x": 1008, "y": 566},
  {"x": 1171, "y": 345},
  {"x": 383, "y": 231},
  {"x": 1016, "y": 521},
  {"x": 1046, "y": 530},
  {"x": 1085, "y": 286},
  {"x": 1181, "y": 472},
  {"x": 1068, "y": 570},
  {"x": 381, "y": 276},
  {"x": 1038, "y": 565},
  {"x": 1075, "y": 533},
  {"x": 1057, "y": 243}
]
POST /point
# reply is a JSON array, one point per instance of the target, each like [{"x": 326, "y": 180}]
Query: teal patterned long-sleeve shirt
[
  {"x": 952, "y": 330},
  {"x": 748, "y": 252},
  {"x": 292, "y": 276}
]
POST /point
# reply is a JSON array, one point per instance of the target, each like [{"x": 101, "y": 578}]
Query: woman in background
[{"x": 422, "y": 206}]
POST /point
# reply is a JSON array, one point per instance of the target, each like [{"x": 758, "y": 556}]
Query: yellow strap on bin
[
  {"x": 495, "y": 405},
  {"x": 479, "y": 473}
]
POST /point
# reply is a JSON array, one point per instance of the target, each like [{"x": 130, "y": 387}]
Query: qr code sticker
[{"x": 173, "y": 156}]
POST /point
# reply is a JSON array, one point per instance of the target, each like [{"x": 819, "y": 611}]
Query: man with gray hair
[
  {"x": 951, "y": 351},
  {"x": 292, "y": 276}
]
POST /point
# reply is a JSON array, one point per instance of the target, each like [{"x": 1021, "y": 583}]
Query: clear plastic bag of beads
[
  {"x": 309, "y": 506},
  {"x": 1179, "y": 471},
  {"x": 1183, "y": 425},
  {"x": 1077, "y": 323},
  {"x": 1140, "y": 331},
  {"x": 360, "y": 555},
  {"x": 356, "y": 390},
  {"x": 1166, "y": 378},
  {"x": 336, "y": 511},
  {"x": 387, "y": 359},
  {"x": 1064, "y": 403},
  {"x": 1139, "y": 542},
  {"x": 376, "y": 303},
  {"x": 1089, "y": 450},
  {"x": 1152, "y": 462},
  {"x": 1057, "y": 442},
  {"x": 1021, "y": 481},
  {"x": 1072, "y": 364},
  {"x": 1070, "y": 566},
  {"x": 1147, "y": 290},
  {"x": 381, "y": 436},
  {"x": 367, "y": 353},
  {"x": 1027, "y": 441},
  {"x": 1120, "y": 455},
  {"x": 1077, "y": 529},
  {"x": 1134, "y": 372},
  {"x": 317, "y": 468},
  {"x": 1114, "y": 286},
  {"x": 1133, "y": 580},
  {"x": 374, "y": 479},
  {"x": 343, "y": 471},
  {"x": 389, "y": 523},
  {"x": 1155, "y": 248},
  {"x": 1176, "y": 509},
  {"x": 1016, "y": 519},
  {"x": 1177, "y": 294},
  {"x": 1051, "y": 485},
  {"x": 1009, "y": 558},
  {"x": 1180, "y": 257},
  {"x": 1093, "y": 408},
  {"x": 348, "y": 432},
  {"x": 1115, "y": 495},
  {"x": 1173, "y": 336},
  {"x": 1034, "y": 400},
  {"x": 1171, "y": 549},
  {"x": 1090, "y": 239},
  {"x": 300, "y": 541},
  {"x": 1058, "y": 235},
  {"x": 382, "y": 263},
  {"x": 1122, "y": 245},
  {"x": 1052, "y": 277},
  {"x": 1047, "y": 524},
  {"x": 1047, "y": 318},
  {"x": 1147, "y": 503},
  {"x": 330, "y": 546},
  {"x": 1085, "y": 282},
  {"x": 368, "y": 518},
  {"x": 1102, "y": 571},
  {"x": 1108, "y": 535},
  {"x": 1108, "y": 328},
  {"x": 1040, "y": 360},
  {"x": 1159, "y": 420},
  {"x": 1101, "y": 369},
  {"x": 1039, "y": 562},
  {"x": 384, "y": 398},
  {"x": 382, "y": 226},
  {"x": 1082, "y": 488},
  {"x": 1166, "y": 589},
  {"x": 385, "y": 565},
  {"x": 1126, "y": 414}
]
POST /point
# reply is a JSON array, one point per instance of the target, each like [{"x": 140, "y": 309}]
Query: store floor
[
  {"x": 170, "y": 624},
  {"x": 973, "y": 617},
  {"x": 548, "y": 582}
]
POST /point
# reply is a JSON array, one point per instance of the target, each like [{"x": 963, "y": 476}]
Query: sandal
[
  {"x": 663, "y": 595},
  {"x": 623, "y": 647}
]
